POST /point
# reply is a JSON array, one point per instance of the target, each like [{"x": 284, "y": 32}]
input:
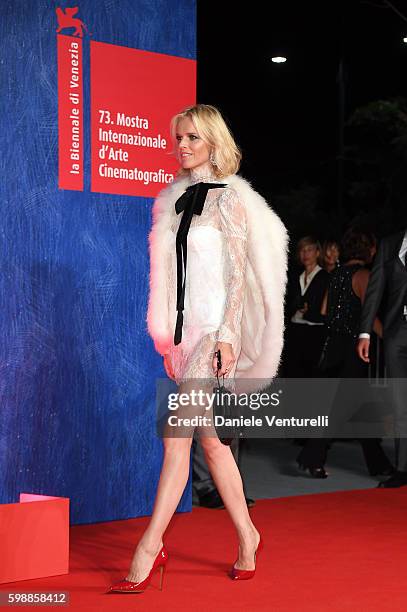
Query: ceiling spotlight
[
  {"x": 405, "y": 39},
  {"x": 278, "y": 59}
]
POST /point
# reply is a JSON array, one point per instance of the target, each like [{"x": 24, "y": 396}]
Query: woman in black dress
[{"x": 343, "y": 305}]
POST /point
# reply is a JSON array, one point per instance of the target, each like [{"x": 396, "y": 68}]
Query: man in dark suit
[{"x": 388, "y": 280}]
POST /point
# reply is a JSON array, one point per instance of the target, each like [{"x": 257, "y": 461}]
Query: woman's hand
[
  {"x": 168, "y": 367},
  {"x": 227, "y": 356}
]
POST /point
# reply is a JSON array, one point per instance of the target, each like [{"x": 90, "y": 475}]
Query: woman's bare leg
[
  {"x": 173, "y": 479},
  {"x": 226, "y": 476}
]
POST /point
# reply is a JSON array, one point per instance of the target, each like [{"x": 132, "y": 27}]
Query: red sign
[
  {"x": 134, "y": 94},
  {"x": 70, "y": 113}
]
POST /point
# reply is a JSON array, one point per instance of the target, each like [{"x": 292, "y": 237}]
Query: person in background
[
  {"x": 305, "y": 330},
  {"x": 330, "y": 255},
  {"x": 389, "y": 280},
  {"x": 343, "y": 307}
]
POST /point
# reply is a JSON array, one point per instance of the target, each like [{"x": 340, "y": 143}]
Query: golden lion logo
[{"x": 67, "y": 20}]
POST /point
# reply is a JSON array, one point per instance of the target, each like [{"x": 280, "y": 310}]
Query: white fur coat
[{"x": 262, "y": 324}]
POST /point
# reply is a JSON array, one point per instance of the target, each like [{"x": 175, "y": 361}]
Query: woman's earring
[{"x": 212, "y": 159}]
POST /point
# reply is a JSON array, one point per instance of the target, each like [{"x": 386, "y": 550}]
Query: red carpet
[{"x": 335, "y": 551}]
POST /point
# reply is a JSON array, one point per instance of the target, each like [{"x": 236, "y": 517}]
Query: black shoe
[
  {"x": 315, "y": 472},
  {"x": 214, "y": 501},
  {"x": 398, "y": 479},
  {"x": 211, "y": 500}
]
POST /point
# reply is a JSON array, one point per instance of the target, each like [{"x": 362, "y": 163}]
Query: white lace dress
[{"x": 214, "y": 290}]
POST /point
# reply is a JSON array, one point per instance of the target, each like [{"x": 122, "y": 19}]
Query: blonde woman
[{"x": 229, "y": 296}]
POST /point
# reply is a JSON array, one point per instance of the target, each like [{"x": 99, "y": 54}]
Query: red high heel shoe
[
  {"x": 238, "y": 574},
  {"x": 127, "y": 586}
]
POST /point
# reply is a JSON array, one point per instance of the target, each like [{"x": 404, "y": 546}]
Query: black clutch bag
[{"x": 225, "y": 410}]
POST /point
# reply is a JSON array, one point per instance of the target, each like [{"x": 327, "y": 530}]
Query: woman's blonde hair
[{"x": 212, "y": 128}]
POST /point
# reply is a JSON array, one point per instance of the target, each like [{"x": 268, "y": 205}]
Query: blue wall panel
[{"x": 77, "y": 369}]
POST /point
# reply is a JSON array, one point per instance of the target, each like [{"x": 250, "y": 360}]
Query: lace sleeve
[{"x": 234, "y": 227}]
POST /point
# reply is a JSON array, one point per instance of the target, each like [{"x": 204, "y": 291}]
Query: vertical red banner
[{"x": 70, "y": 112}]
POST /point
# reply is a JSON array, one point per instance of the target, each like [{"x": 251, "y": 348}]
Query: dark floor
[{"x": 269, "y": 468}]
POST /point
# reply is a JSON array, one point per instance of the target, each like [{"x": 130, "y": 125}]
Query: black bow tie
[{"x": 191, "y": 202}]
